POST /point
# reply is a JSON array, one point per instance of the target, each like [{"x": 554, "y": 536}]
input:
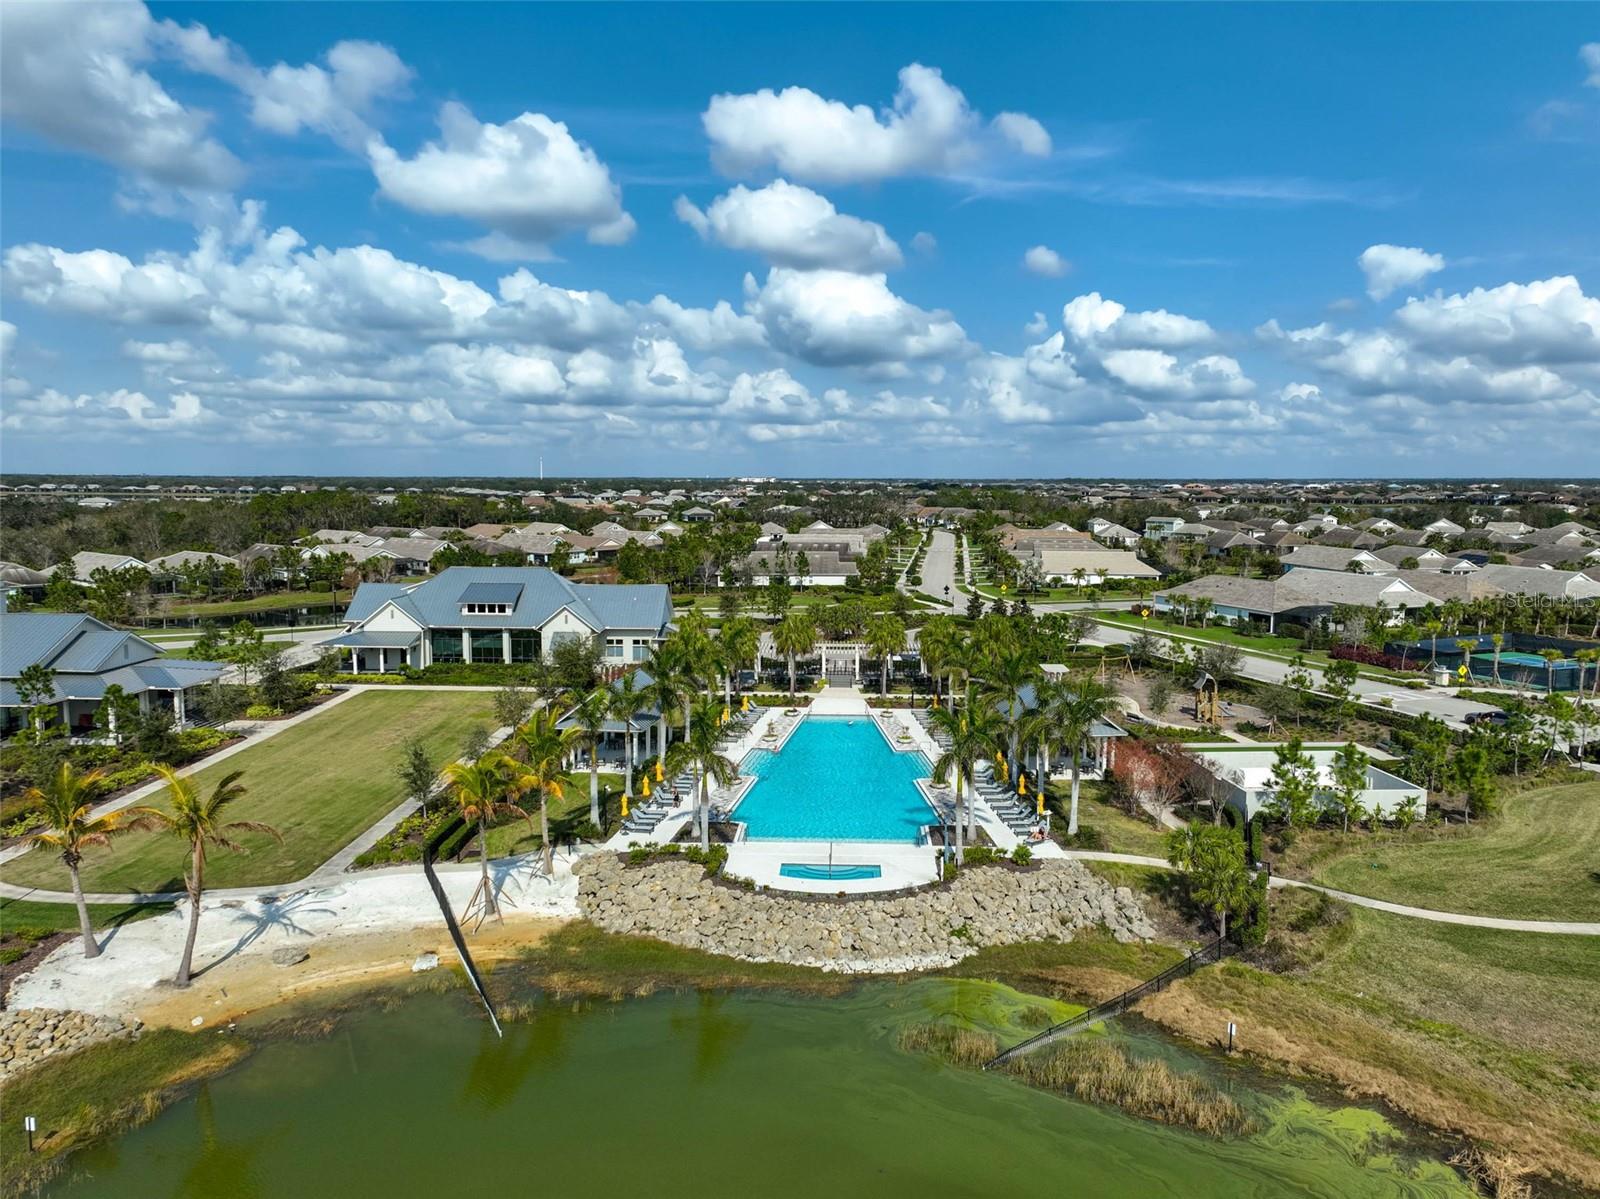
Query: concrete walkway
[{"x": 1569, "y": 927}]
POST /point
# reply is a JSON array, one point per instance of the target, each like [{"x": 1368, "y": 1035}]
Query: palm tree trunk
[
  {"x": 1223, "y": 918},
  {"x": 594, "y": 784},
  {"x": 90, "y": 948},
  {"x": 791, "y": 676},
  {"x": 1072, "y": 816},
  {"x": 627, "y": 761},
  {"x": 195, "y": 885},
  {"x": 705, "y": 811},
  {"x": 489, "y": 902},
  {"x": 958, "y": 815}
]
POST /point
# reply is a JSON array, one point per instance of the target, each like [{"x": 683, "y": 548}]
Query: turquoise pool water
[
  {"x": 823, "y": 870},
  {"x": 835, "y": 779}
]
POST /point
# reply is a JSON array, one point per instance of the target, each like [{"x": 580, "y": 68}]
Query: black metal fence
[{"x": 1204, "y": 956}]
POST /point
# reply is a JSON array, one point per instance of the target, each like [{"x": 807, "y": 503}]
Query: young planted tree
[
  {"x": 1213, "y": 858},
  {"x": 200, "y": 820},
  {"x": 479, "y": 791},
  {"x": 416, "y": 773},
  {"x": 36, "y": 687},
  {"x": 1349, "y": 772},
  {"x": 698, "y": 752},
  {"x": 1340, "y": 680},
  {"x": 1294, "y": 786},
  {"x": 70, "y": 828}
]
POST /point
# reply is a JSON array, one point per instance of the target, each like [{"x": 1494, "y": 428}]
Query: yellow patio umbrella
[
  {"x": 1000, "y": 764},
  {"x": 744, "y": 703},
  {"x": 624, "y": 805},
  {"x": 1040, "y": 794},
  {"x": 644, "y": 786},
  {"x": 1022, "y": 784},
  {"x": 659, "y": 774},
  {"x": 726, "y": 715}
]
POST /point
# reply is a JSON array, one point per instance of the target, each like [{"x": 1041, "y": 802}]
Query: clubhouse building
[{"x": 499, "y": 614}]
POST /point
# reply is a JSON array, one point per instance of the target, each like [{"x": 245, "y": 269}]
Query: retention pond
[{"x": 712, "y": 1094}]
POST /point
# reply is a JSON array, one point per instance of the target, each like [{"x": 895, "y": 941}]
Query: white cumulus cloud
[
  {"x": 1042, "y": 260},
  {"x": 839, "y": 318},
  {"x": 1390, "y": 267},
  {"x": 929, "y": 129},
  {"x": 792, "y": 226},
  {"x": 75, "y": 73},
  {"x": 528, "y": 179}
]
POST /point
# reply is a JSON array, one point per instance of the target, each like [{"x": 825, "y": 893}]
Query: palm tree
[
  {"x": 696, "y": 650},
  {"x": 1551, "y": 657},
  {"x": 886, "y": 636},
  {"x": 478, "y": 788},
  {"x": 544, "y": 749},
  {"x": 1007, "y": 673},
  {"x": 975, "y": 736},
  {"x": 1466, "y": 645},
  {"x": 1497, "y": 640},
  {"x": 199, "y": 820},
  {"x": 1074, "y": 711},
  {"x": 738, "y": 642},
  {"x": 936, "y": 642},
  {"x": 698, "y": 752},
  {"x": 627, "y": 698},
  {"x": 588, "y": 719},
  {"x": 667, "y": 693},
  {"x": 70, "y": 827},
  {"x": 796, "y": 636}
]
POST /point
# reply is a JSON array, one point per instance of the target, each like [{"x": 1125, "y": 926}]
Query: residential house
[
  {"x": 1303, "y": 596},
  {"x": 84, "y": 563},
  {"x": 498, "y": 614},
  {"x": 85, "y": 657},
  {"x": 1159, "y": 528},
  {"x": 1099, "y": 566},
  {"x": 1112, "y": 533}
]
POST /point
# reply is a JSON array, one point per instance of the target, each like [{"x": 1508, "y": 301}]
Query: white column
[
  {"x": 383, "y": 660},
  {"x": 505, "y": 645},
  {"x": 355, "y": 660},
  {"x": 466, "y": 645},
  {"x": 178, "y": 707}
]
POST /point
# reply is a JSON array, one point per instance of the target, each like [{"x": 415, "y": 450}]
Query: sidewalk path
[{"x": 1569, "y": 927}]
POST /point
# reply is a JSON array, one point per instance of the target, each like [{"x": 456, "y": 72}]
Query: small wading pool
[{"x": 825, "y": 871}]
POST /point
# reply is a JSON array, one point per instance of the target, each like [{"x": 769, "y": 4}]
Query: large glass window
[
  {"x": 446, "y": 645},
  {"x": 524, "y": 645},
  {"x": 487, "y": 646},
  {"x": 613, "y": 647}
]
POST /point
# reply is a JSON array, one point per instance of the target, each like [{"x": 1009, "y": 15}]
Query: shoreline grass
[{"x": 101, "y": 1091}]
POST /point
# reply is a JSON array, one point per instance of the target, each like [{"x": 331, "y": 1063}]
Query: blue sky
[{"x": 956, "y": 240}]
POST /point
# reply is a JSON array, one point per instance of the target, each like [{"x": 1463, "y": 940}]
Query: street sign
[{"x": 1462, "y": 670}]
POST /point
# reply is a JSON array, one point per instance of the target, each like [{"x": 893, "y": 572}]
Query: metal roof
[
  {"x": 363, "y": 639},
  {"x": 492, "y": 593},
  {"x": 436, "y": 602}
]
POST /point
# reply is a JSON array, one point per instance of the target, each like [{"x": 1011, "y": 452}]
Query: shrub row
[{"x": 1368, "y": 656}]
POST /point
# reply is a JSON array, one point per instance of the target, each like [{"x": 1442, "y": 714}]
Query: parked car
[{"x": 1492, "y": 716}]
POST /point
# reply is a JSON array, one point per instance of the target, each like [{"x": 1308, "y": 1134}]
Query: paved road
[
  {"x": 939, "y": 569},
  {"x": 1372, "y": 691},
  {"x": 1568, "y": 927}
]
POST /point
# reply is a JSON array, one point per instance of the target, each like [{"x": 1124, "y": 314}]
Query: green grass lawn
[
  {"x": 1123, "y": 833},
  {"x": 22, "y": 914},
  {"x": 1538, "y": 861},
  {"x": 1262, "y": 643},
  {"x": 271, "y": 601},
  {"x": 319, "y": 784},
  {"x": 187, "y": 651}
]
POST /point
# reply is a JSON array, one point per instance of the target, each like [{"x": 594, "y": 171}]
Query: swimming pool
[
  {"x": 835, "y": 779},
  {"x": 822, "y": 870}
]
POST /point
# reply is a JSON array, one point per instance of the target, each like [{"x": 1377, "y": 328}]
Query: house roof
[
  {"x": 188, "y": 558},
  {"x": 1093, "y": 562},
  {"x": 436, "y": 602},
  {"x": 86, "y": 656}
]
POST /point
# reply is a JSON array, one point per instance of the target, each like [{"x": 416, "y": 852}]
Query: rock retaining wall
[
  {"x": 29, "y": 1035},
  {"x": 986, "y": 905}
]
